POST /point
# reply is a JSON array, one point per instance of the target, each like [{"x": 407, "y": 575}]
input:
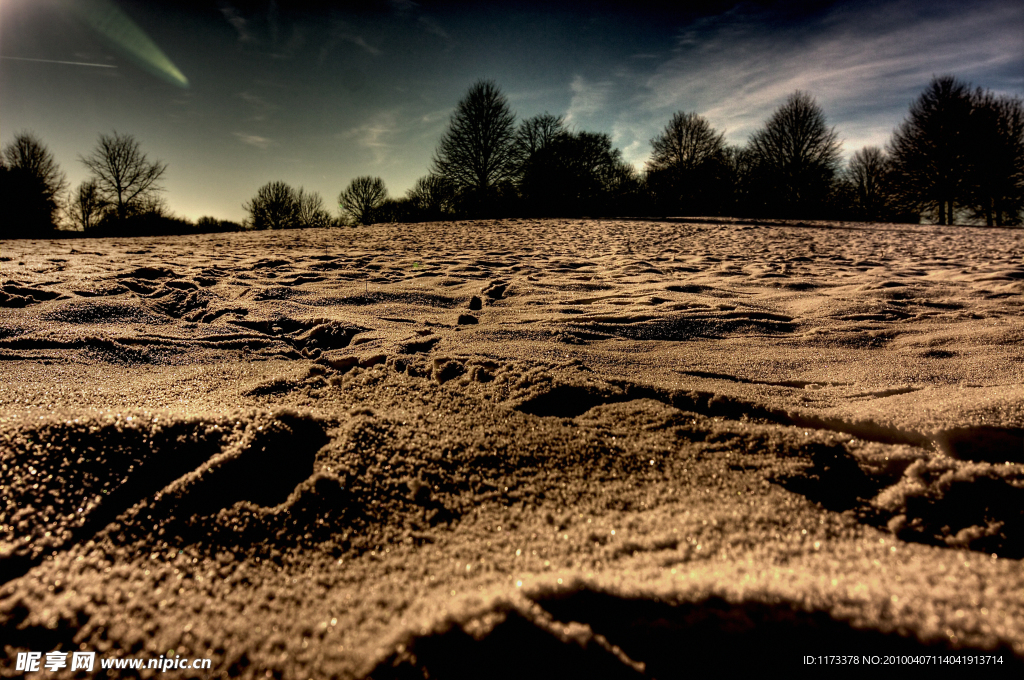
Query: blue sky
[{"x": 317, "y": 93}]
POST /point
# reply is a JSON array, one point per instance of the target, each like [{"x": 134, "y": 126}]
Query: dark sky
[{"x": 317, "y": 93}]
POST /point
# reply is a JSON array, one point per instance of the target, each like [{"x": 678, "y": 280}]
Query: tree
[
  {"x": 867, "y": 179},
  {"x": 85, "y": 207},
  {"x": 741, "y": 198},
  {"x": 125, "y": 179},
  {"x": 535, "y": 133},
  {"x": 477, "y": 153},
  {"x": 27, "y": 153},
  {"x": 688, "y": 167},
  {"x": 32, "y": 184},
  {"x": 930, "y": 149},
  {"x": 795, "y": 156},
  {"x": 211, "y": 225},
  {"x": 275, "y": 206},
  {"x": 362, "y": 196},
  {"x": 432, "y": 198},
  {"x": 961, "y": 150},
  {"x": 687, "y": 143},
  {"x": 996, "y": 188},
  {"x": 574, "y": 174},
  {"x": 310, "y": 210}
]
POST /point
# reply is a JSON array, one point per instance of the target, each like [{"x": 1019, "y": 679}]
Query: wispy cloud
[
  {"x": 403, "y": 6},
  {"x": 259, "y": 107},
  {"x": 238, "y": 22},
  {"x": 253, "y": 140},
  {"x": 342, "y": 32},
  {"x": 434, "y": 28},
  {"x": 588, "y": 99},
  {"x": 862, "y": 65},
  {"x": 377, "y": 136}
]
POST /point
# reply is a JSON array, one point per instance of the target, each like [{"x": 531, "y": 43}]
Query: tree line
[
  {"x": 958, "y": 156},
  {"x": 122, "y": 196}
]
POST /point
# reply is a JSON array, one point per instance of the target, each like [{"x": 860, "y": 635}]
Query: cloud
[
  {"x": 254, "y": 140},
  {"x": 376, "y": 136},
  {"x": 434, "y": 28},
  {"x": 238, "y": 22},
  {"x": 258, "y": 106},
  {"x": 341, "y": 31},
  {"x": 862, "y": 65},
  {"x": 402, "y": 6},
  {"x": 588, "y": 99},
  {"x": 360, "y": 42}
]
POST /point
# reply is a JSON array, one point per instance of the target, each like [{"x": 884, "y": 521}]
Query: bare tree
[
  {"x": 29, "y": 154},
  {"x": 796, "y": 156},
  {"x": 310, "y": 210},
  {"x": 85, "y": 207},
  {"x": 125, "y": 179},
  {"x": 930, "y": 151},
  {"x": 361, "y": 198},
  {"x": 32, "y": 185},
  {"x": 687, "y": 143},
  {"x": 996, "y": 185},
  {"x": 688, "y": 167},
  {"x": 574, "y": 174},
  {"x": 867, "y": 177},
  {"x": 275, "y": 206},
  {"x": 536, "y": 133},
  {"x": 477, "y": 153},
  {"x": 433, "y": 197}
]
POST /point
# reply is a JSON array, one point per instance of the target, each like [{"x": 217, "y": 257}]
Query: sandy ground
[{"x": 560, "y": 448}]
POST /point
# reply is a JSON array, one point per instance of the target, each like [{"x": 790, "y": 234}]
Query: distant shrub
[
  {"x": 395, "y": 210},
  {"x": 362, "y": 198},
  {"x": 278, "y": 206},
  {"x": 275, "y": 206},
  {"x": 211, "y": 225}
]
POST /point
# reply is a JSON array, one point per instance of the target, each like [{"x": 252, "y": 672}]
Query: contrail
[
  {"x": 118, "y": 30},
  {"x": 54, "y": 61}
]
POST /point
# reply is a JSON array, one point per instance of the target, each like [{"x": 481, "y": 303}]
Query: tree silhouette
[
  {"x": 362, "y": 196},
  {"x": 477, "y": 153},
  {"x": 432, "y": 198},
  {"x": 535, "y": 133},
  {"x": 574, "y": 174},
  {"x": 795, "y": 157},
  {"x": 688, "y": 167},
  {"x": 85, "y": 207},
  {"x": 930, "y": 150},
  {"x": 211, "y": 225},
  {"x": 741, "y": 197},
  {"x": 961, "y": 149},
  {"x": 275, "y": 206},
  {"x": 687, "y": 143},
  {"x": 996, "y": 188},
  {"x": 867, "y": 178},
  {"x": 310, "y": 211},
  {"x": 125, "y": 179},
  {"x": 32, "y": 183}
]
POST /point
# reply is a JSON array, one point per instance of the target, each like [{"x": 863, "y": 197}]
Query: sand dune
[{"x": 566, "y": 448}]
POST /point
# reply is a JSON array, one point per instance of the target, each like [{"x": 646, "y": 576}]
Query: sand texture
[{"x": 521, "y": 448}]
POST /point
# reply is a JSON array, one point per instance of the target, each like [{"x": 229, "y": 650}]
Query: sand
[{"x": 559, "y": 448}]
